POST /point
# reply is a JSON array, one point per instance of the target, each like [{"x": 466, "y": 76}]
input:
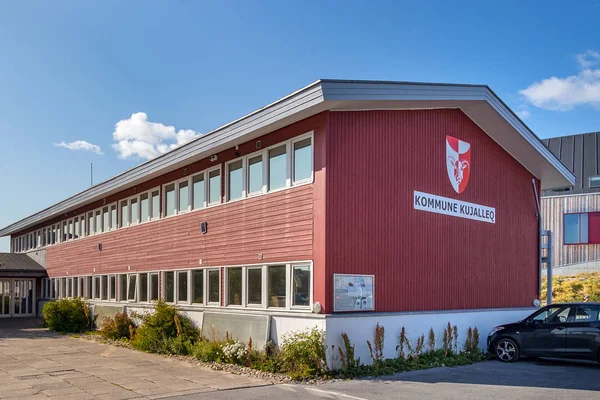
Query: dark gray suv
[{"x": 568, "y": 330}]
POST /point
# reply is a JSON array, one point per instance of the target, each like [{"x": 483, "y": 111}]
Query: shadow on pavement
[
  {"x": 24, "y": 328},
  {"x": 543, "y": 373}
]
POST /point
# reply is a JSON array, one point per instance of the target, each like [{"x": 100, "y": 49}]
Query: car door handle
[{"x": 560, "y": 328}]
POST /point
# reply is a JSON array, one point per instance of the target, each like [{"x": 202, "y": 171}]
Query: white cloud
[
  {"x": 588, "y": 59},
  {"x": 564, "y": 94},
  {"x": 523, "y": 114},
  {"x": 80, "y": 145},
  {"x": 137, "y": 137}
]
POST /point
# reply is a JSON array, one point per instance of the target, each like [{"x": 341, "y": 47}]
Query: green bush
[
  {"x": 67, "y": 315},
  {"x": 165, "y": 331},
  {"x": 303, "y": 354},
  {"x": 208, "y": 351},
  {"x": 119, "y": 327}
]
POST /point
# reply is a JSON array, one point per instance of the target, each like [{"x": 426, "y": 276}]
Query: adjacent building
[
  {"x": 572, "y": 213},
  {"x": 343, "y": 204}
]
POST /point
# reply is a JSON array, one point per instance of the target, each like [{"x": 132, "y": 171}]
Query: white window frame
[
  {"x": 189, "y": 196},
  {"x": 205, "y": 202},
  {"x": 244, "y": 189},
  {"x": 163, "y": 286},
  {"x": 176, "y": 294},
  {"x": 207, "y": 287},
  {"x": 207, "y": 185},
  {"x": 263, "y": 189},
  {"x": 191, "y": 286},
  {"x": 310, "y": 288},
  {"x": 164, "y": 199},
  {"x": 226, "y": 288},
  {"x": 136, "y": 293},
  {"x": 262, "y": 269},
  {"x": 150, "y": 291}
]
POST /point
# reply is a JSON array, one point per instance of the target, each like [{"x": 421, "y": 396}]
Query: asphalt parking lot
[{"x": 547, "y": 379}]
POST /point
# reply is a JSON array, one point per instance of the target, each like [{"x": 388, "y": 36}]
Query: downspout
[{"x": 539, "y": 218}]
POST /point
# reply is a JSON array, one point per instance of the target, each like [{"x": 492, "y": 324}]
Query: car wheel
[{"x": 507, "y": 350}]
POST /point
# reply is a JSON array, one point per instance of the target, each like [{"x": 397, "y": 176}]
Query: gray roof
[
  {"x": 581, "y": 155},
  {"x": 11, "y": 263}
]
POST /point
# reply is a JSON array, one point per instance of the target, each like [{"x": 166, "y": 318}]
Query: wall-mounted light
[
  {"x": 213, "y": 158},
  {"x": 258, "y": 144}
]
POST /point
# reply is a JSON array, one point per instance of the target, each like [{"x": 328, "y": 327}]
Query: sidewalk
[{"x": 37, "y": 364}]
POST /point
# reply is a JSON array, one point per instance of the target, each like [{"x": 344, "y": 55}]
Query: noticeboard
[{"x": 353, "y": 292}]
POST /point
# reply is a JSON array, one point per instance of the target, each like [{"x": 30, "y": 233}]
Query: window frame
[
  {"x": 207, "y": 301},
  {"x": 176, "y": 294},
  {"x": 242, "y": 161},
  {"x": 226, "y": 288},
  {"x": 262, "y": 269},
  {"x": 207, "y": 185},
  {"x": 579, "y": 242}
]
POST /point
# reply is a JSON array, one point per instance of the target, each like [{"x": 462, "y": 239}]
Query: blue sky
[{"x": 71, "y": 71}]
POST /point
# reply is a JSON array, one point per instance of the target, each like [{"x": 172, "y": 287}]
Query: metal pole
[
  {"x": 549, "y": 267},
  {"x": 539, "y": 217}
]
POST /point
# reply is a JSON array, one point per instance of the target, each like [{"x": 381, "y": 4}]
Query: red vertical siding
[{"x": 422, "y": 260}]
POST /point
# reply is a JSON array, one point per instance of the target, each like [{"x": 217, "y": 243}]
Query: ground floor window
[
  {"x": 112, "y": 287},
  {"x": 123, "y": 287},
  {"x": 143, "y": 287},
  {"x": 214, "y": 286},
  {"x": 154, "y": 294},
  {"x": 254, "y": 286},
  {"x": 131, "y": 287},
  {"x": 198, "y": 286},
  {"x": 104, "y": 287},
  {"x": 277, "y": 285},
  {"x": 182, "y": 286},
  {"x": 169, "y": 286},
  {"x": 234, "y": 286}
]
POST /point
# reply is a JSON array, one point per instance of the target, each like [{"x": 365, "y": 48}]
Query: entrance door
[{"x": 17, "y": 297}]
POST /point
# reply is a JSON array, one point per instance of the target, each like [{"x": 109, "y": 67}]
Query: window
[
  {"x": 182, "y": 287},
  {"x": 88, "y": 287},
  {"x": 97, "y": 287},
  {"x": 183, "y": 194},
  {"x": 235, "y": 181},
  {"x": 105, "y": 220},
  {"x": 594, "y": 181},
  {"x": 234, "y": 286},
  {"x": 143, "y": 287},
  {"x": 153, "y": 287},
  {"x": 254, "y": 286},
  {"x": 553, "y": 315},
  {"x": 104, "y": 287},
  {"x": 214, "y": 286},
  {"x": 302, "y": 167},
  {"x": 63, "y": 288},
  {"x": 277, "y": 168},
  {"x": 90, "y": 225},
  {"x": 576, "y": 228},
  {"x": 131, "y": 287},
  {"x": 169, "y": 285},
  {"x": 198, "y": 286},
  {"x": 198, "y": 192},
  {"x": 98, "y": 222},
  {"x": 301, "y": 285},
  {"x": 255, "y": 175},
  {"x": 113, "y": 288},
  {"x": 587, "y": 314},
  {"x": 71, "y": 230},
  {"x": 135, "y": 212},
  {"x": 214, "y": 186},
  {"x": 124, "y": 214},
  {"x": 144, "y": 208},
  {"x": 65, "y": 235},
  {"x": 169, "y": 200},
  {"x": 123, "y": 287},
  {"x": 276, "y": 286},
  {"x": 69, "y": 287},
  {"x": 155, "y": 204},
  {"x": 113, "y": 216}
]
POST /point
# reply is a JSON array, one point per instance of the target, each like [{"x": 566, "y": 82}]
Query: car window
[
  {"x": 553, "y": 315},
  {"x": 544, "y": 315},
  {"x": 587, "y": 314}
]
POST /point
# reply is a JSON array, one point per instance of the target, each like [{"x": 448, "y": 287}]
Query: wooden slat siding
[
  {"x": 553, "y": 209},
  {"x": 422, "y": 260},
  {"x": 278, "y": 225},
  {"x": 288, "y": 132}
]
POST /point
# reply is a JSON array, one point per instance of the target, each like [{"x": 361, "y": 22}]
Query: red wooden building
[{"x": 343, "y": 204}]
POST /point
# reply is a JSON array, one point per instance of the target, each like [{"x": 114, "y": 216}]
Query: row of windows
[
  {"x": 280, "y": 166},
  {"x": 266, "y": 286}
]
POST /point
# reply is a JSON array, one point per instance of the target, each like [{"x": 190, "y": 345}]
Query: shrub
[
  {"x": 350, "y": 365},
  {"x": 235, "y": 352},
  {"x": 303, "y": 354},
  {"x": 119, "y": 327},
  {"x": 67, "y": 315},
  {"x": 573, "y": 288},
  {"x": 208, "y": 351},
  {"x": 165, "y": 331}
]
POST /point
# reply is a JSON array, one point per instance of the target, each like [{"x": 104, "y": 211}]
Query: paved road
[
  {"x": 37, "y": 364},
  {"x": 489, "y": 380}
]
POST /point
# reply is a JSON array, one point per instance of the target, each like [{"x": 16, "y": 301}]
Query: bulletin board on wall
[{"x": 353, "y": 293}]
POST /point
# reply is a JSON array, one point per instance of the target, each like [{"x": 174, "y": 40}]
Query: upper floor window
[
  {"x": 277, "y": 167},
  {"x": 302, "y": 166},
  {"x": 214, "y": 186},
  {"x": 576, "y": 228},
  {"x": 595, "y": 181},
  {"x": 235, "y": 180}
]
